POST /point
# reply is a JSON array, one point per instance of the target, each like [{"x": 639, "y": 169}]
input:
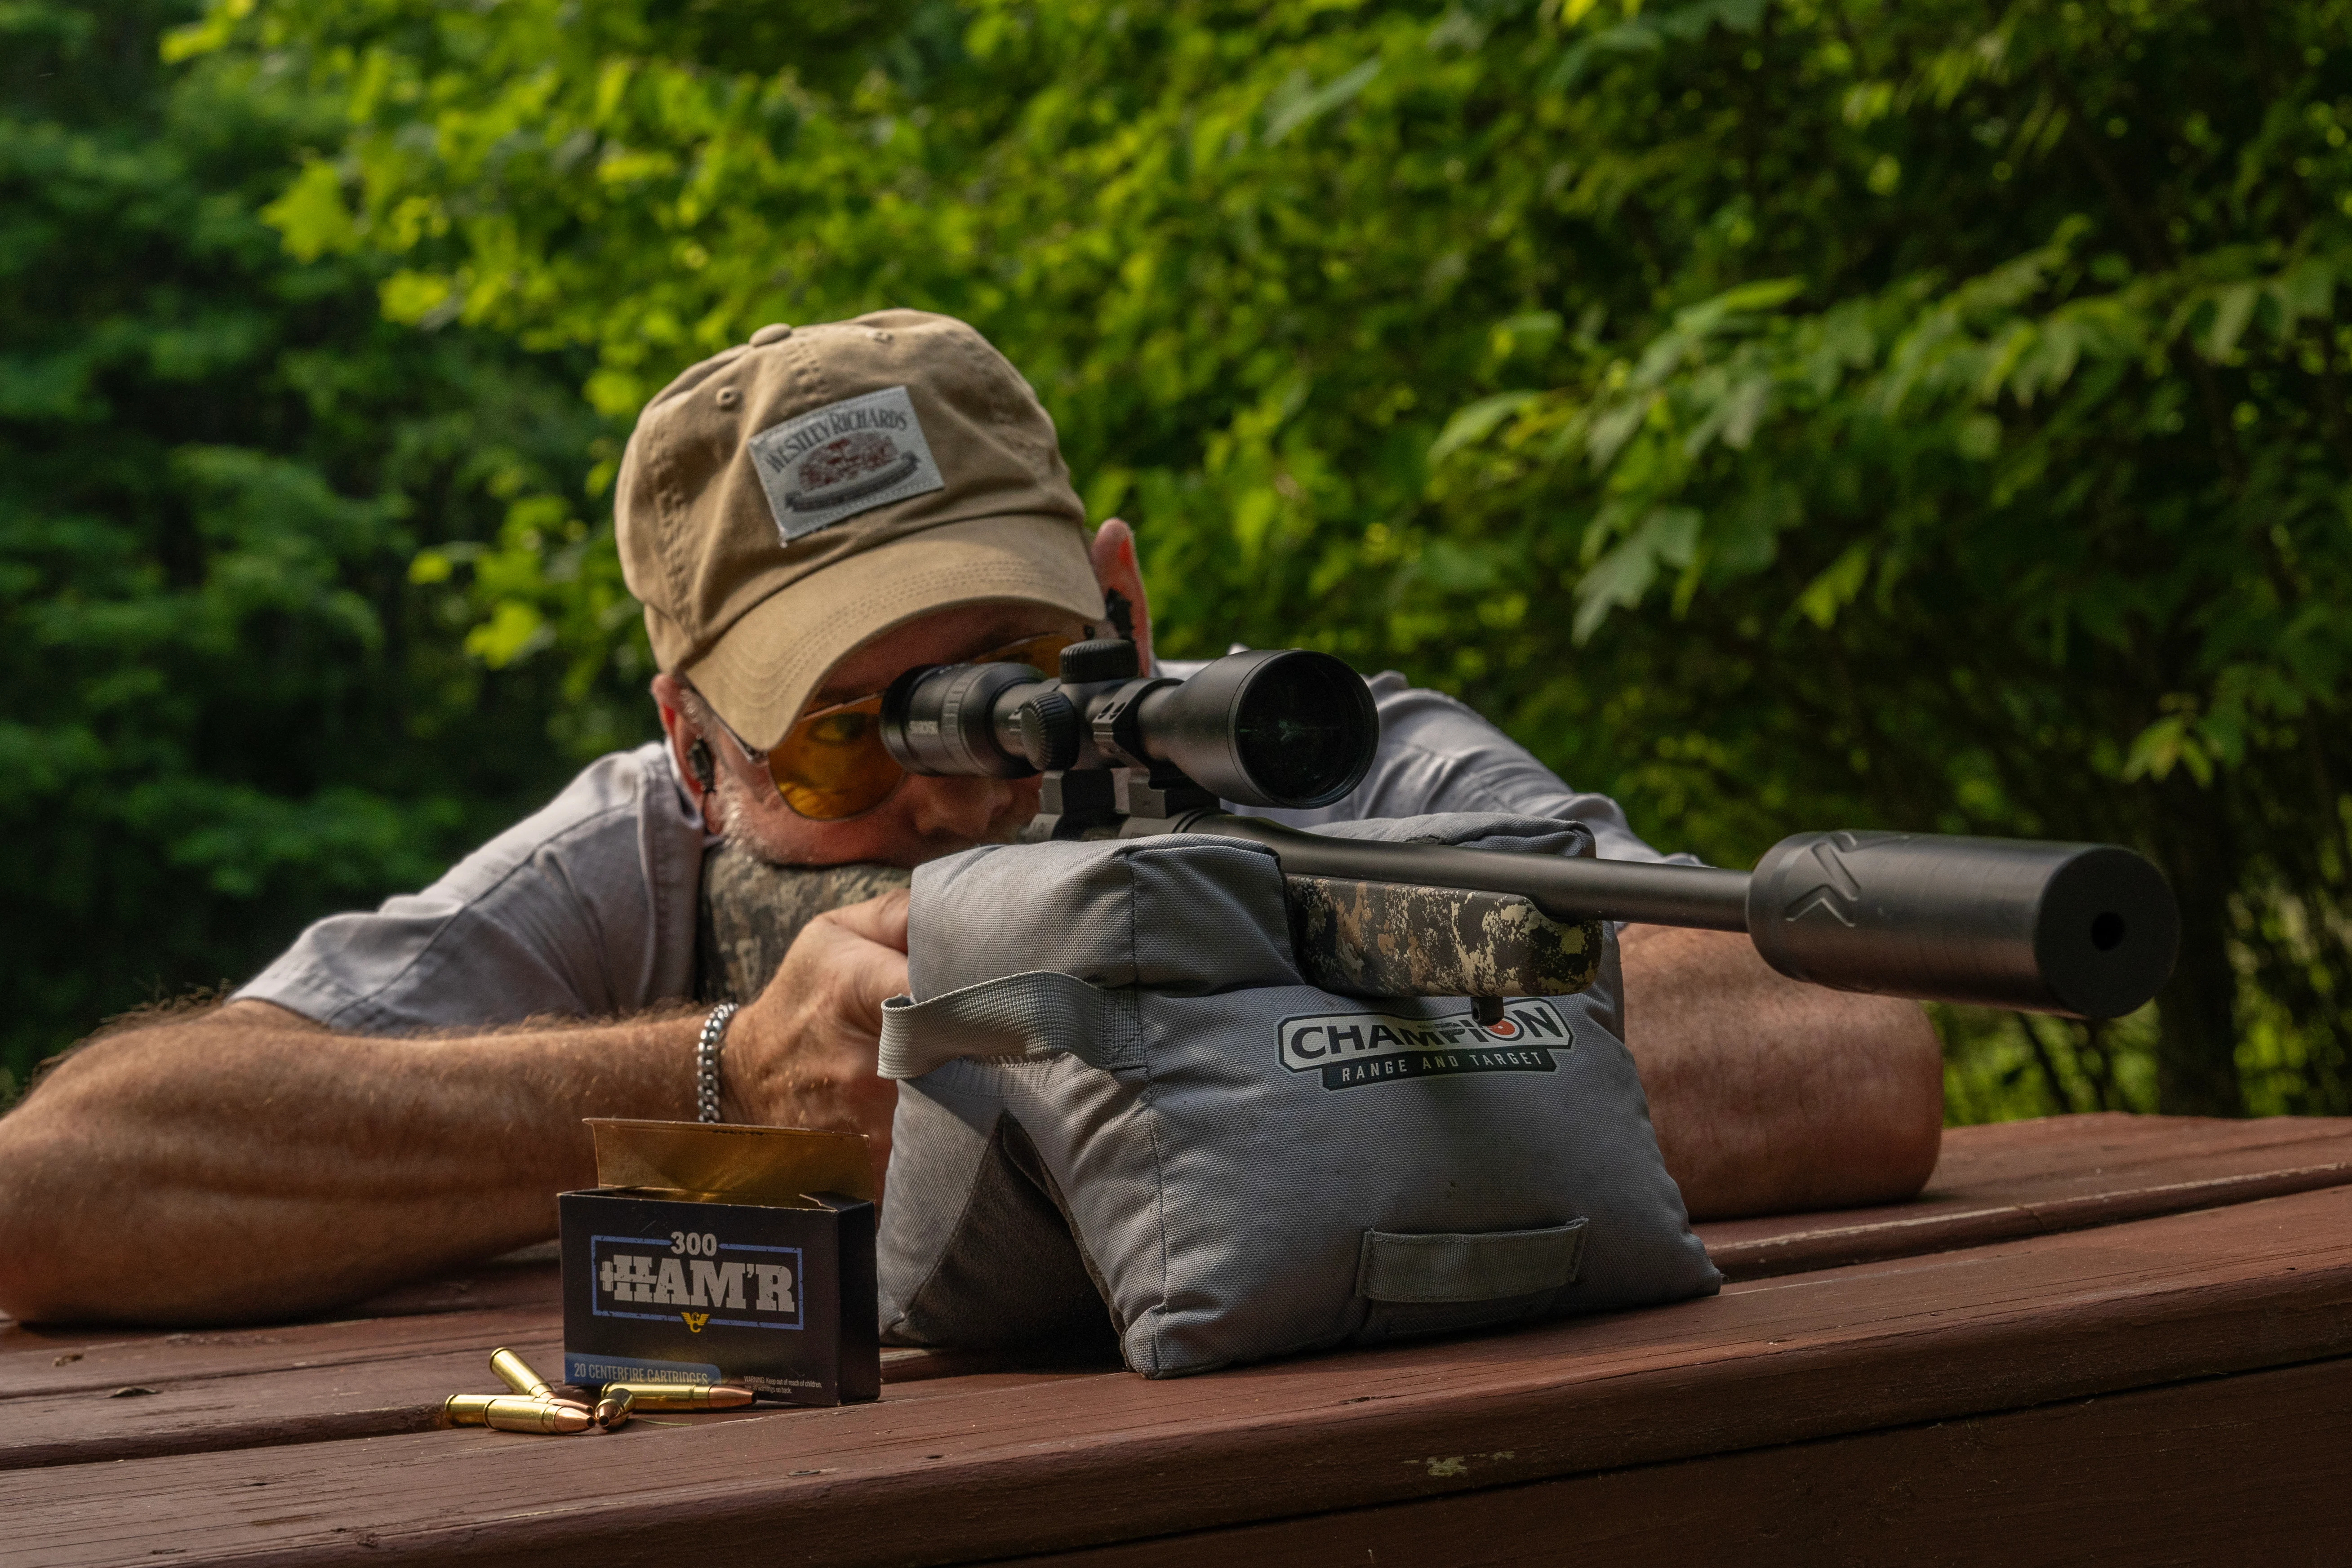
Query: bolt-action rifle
[{"x": 2084, "y": 930}]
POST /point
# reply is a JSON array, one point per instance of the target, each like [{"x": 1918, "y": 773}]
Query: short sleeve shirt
[{"x": 587, "y": 906}]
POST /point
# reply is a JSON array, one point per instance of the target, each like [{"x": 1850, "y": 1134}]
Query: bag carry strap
[
  {"x": 1039, "y": 1013},
  {"x": 1479, "y": 1266}
]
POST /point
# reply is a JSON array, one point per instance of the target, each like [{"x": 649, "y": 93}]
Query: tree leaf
[
  {"x": 1475, "y": 423},
  {"x": 1297, "y": 104}
]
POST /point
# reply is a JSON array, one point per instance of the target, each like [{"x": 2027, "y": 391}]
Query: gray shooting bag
[{"x": 1150, "y": 1093}]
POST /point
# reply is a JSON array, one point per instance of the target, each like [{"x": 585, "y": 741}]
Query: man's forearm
[
  {"x": 1770, "y": 1096},
  {"x": 246, "y": 1164}
]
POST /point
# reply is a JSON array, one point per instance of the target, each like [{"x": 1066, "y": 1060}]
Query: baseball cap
[{"x": 782, "y": 503}]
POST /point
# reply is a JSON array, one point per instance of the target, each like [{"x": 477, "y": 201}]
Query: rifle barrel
[{"x": 2086, "y": 930}]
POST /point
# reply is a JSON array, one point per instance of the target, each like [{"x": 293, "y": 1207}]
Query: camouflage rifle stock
[{"x": 1352, "y": 938}]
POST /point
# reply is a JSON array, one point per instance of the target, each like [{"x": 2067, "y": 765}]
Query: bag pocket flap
[{"x": 1482, "y": 1266}]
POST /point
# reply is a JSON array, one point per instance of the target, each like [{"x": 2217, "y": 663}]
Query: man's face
[{"x": 924, "y": 817}]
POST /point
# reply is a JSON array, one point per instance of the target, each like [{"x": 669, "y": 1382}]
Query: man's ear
[
  {"x": 1116, "y": 568},
  {"x": 683, "y": 740}
]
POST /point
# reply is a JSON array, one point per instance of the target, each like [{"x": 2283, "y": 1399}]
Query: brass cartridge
[
  {"x": 516, "y": 1414},
  {"x": 612, "y": 1410},
  {"x": 467, "y": 1409},
  {"x": 644, "y": 1396},
  {"x": 516, "y": 1373},
  {"x": 513, "y": 1412}
]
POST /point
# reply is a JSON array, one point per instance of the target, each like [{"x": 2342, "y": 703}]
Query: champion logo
[
  {"x": 1351, "y": 1048},
  {"x": 843, "y": 459}
]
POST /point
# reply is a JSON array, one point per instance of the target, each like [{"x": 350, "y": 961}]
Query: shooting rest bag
[{"x": 1122, "y": 1108}]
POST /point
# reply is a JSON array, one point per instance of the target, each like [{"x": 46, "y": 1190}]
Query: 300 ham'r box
[{"x": 719, "y": 1254}]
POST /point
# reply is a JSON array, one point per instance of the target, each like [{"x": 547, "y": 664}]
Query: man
[{"x": 803, "y": 517}]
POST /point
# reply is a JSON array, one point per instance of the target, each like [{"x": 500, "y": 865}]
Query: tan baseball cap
[{"x": 782, "y": 503}]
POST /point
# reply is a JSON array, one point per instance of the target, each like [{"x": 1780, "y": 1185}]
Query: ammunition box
[{"x": 715, "y": 1253}]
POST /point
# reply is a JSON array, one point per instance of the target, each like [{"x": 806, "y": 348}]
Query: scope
[{"x": 1270, "y": 728}]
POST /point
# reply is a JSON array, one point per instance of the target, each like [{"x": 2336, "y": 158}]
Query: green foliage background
[
  {"x": 226, "y": 709},
  {"x": 1775, "y": 414}
]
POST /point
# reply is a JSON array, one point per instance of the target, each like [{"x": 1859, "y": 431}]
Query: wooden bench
[{"x": 2093, "y": 1339}]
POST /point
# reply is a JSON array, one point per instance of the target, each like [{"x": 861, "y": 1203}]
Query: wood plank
[
  {"x": 199, "y": 1356},
  {"x": 531, "y": 1277},
  {"x": 2018, "y": 1178},
  {"x": 2013, "y": 1179},
  {"x": 2035, "y": 1178},
  {"x": 401, "y": 1389},
  {"x": 80, "y": 1361},
  {"x": 1092, "y": 1460},
  {"x": 495, "y": 1286},
  {"x": 2222, "y": 1471},
  {"x": 328, "y": 1404}
]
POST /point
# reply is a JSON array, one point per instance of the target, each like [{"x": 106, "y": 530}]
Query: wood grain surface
[
  {"x": 2222, "y": 1471},
  {"x": 148, "y": 1398},
  {"x": 2065, "y": 1172},
  {"x": 967, "y": 1468},
  {"x": 2017, "y": 1178},
  {"x": 385, "y": 1367}
]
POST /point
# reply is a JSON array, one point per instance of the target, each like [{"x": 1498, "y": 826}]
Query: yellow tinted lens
[
  {"x": 832, "y": 764},
  {"x": 1039, "y": 653}
]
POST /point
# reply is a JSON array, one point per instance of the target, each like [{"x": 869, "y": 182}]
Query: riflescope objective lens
[{"x": 1299, "y": 729}]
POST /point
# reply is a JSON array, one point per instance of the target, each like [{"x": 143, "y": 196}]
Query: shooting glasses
[
  {"x": 2086, "y": 930},
  {"x": 831, "y": 764}
]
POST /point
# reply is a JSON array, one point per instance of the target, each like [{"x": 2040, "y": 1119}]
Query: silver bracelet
[{"x": 705, "y": 1061}]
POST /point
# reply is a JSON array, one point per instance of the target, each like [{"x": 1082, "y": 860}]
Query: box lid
[{"x": 722, "y": 1162}]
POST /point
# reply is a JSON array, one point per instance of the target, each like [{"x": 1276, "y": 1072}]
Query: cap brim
[{"x": 763, "y": 671}]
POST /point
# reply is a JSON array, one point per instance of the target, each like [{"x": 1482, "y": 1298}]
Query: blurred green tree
[
  {"x": 228, "y": 709},
  {"x": 1820, "y": 412}
]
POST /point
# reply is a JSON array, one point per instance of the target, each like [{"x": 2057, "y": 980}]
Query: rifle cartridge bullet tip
[{"x": 612, "y": 1410}]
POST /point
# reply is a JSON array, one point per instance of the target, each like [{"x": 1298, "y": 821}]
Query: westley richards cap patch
[{"x": 843, "y": 459}]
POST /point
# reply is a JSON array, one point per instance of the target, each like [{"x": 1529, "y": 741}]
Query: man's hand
[{"x": 803, "y": 1054}]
